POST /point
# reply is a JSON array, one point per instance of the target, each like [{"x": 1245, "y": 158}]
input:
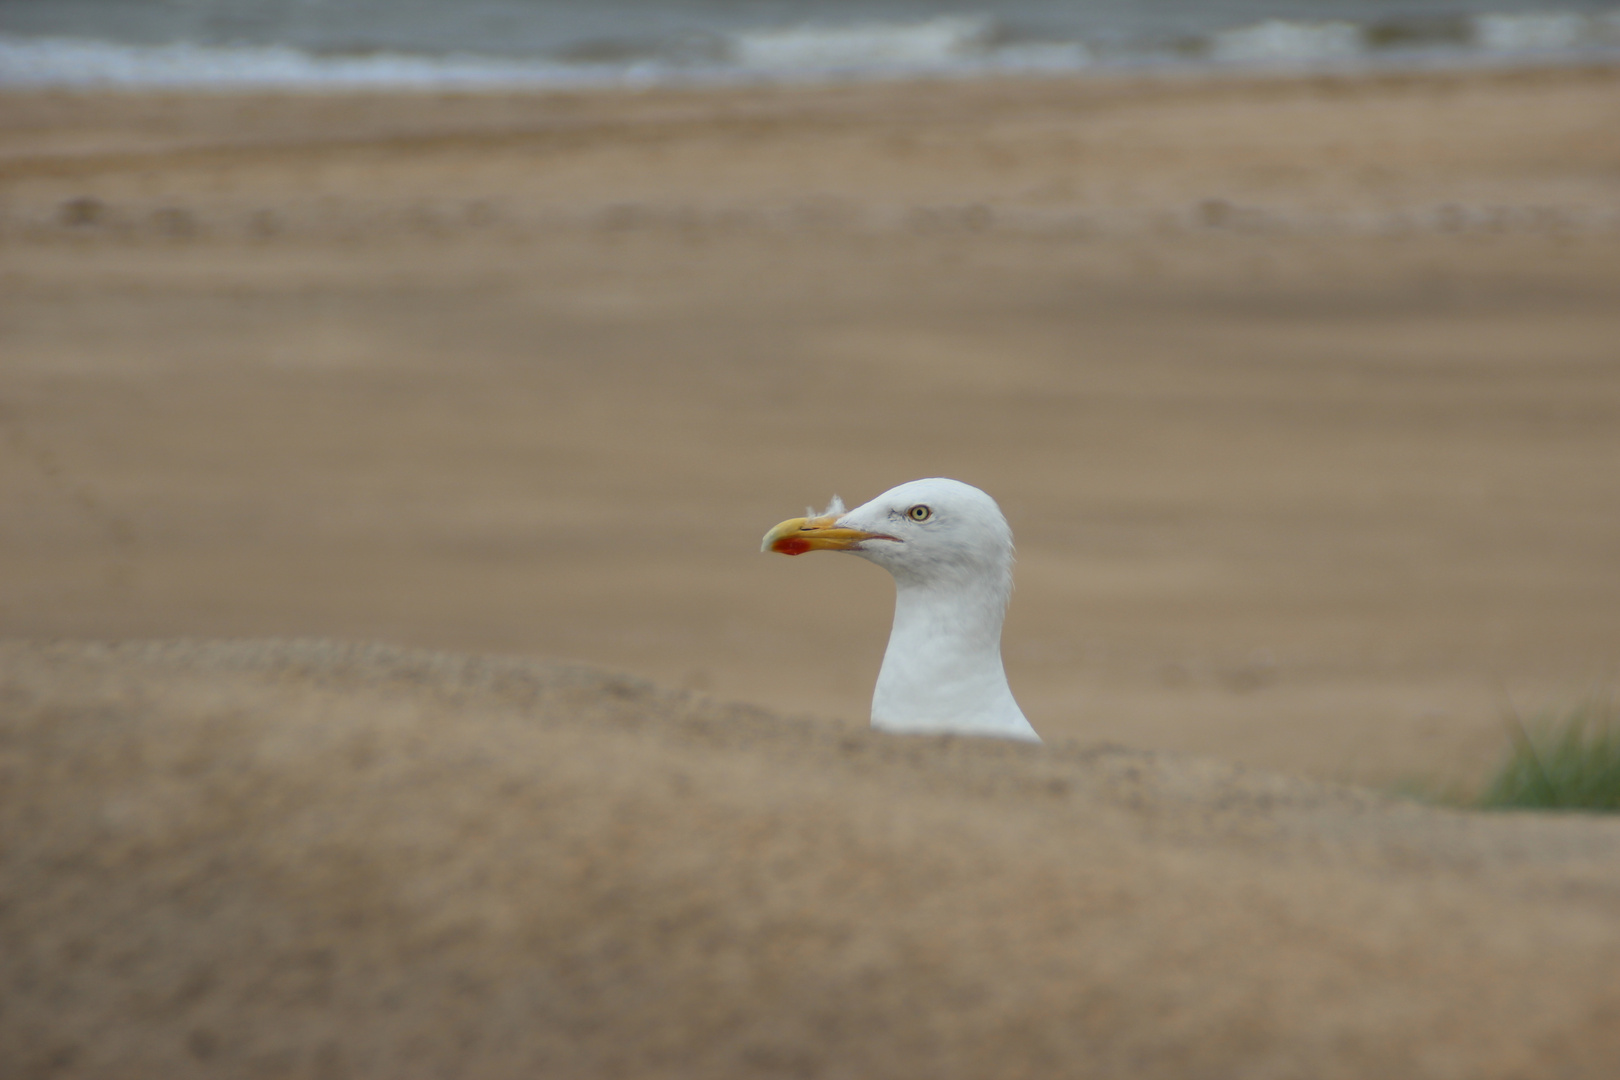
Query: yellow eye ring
[{"x": 919, "y": 513}]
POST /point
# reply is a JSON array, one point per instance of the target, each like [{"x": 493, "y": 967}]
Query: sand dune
[{"x": 305, "y": 858}]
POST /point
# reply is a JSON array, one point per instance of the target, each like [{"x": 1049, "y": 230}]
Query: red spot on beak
[{"x": 791, "y": 545}]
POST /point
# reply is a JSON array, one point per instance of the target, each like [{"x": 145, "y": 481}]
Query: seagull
[{"x": 950, "y": 551}]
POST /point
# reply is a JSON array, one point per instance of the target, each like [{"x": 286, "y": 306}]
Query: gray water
[{"x": 310, "y": 41}]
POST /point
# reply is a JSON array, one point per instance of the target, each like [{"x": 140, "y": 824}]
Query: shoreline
[{"x": 960, "y": 46}]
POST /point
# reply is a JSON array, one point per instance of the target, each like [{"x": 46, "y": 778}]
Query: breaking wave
[{"x": 963, "y": 44}]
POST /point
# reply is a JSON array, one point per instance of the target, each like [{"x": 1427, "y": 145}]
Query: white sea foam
[
  {"x": 943, "y": 44},
  {"x": 1283, "y": 41},
  {"x": 89, "y": 63},
  {"x": 933, "y": 43},
  {"x": 1542, "y": 31},
  {"x": 965, "y": 45},
  {"x": 951, "y": 42}
]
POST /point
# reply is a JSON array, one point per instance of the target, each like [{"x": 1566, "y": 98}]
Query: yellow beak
[{"x": 795, "y": 536}]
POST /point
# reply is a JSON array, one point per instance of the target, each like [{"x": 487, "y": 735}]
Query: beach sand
[{"x": 1302, "y": 396}]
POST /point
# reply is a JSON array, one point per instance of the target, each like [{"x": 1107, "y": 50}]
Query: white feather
[{"x": 942, "y": 671}]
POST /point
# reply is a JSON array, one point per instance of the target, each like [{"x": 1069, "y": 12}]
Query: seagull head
[
  {"x": 950, "y": 551},
  {"x": 926, "y": 532}
]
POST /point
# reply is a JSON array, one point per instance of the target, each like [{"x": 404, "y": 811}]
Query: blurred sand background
[{"x": 1302, "y": 396}]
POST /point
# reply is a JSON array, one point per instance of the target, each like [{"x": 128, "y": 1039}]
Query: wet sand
[{"x": 1303, "y": 396}]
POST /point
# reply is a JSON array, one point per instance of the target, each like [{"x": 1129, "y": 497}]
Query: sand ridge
[{"x": 309, "y": 858}]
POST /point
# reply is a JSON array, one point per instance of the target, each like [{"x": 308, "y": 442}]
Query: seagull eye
[{"x": 919, "y": 513}]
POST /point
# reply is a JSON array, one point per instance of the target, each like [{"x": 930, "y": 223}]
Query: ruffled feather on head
[{"x": 834, "y": 509}]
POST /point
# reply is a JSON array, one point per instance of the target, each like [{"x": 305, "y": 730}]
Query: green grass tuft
[{"x": 1567, "y": 761}]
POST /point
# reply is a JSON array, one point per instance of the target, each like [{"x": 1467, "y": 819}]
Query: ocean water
[{"x": 488, "y": 43}]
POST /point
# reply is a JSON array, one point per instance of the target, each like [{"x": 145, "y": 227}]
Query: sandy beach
[{"x": 1302, "y": 396}]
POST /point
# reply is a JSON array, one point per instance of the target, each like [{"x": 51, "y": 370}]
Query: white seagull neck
[{"x": 942, "y": 671}]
